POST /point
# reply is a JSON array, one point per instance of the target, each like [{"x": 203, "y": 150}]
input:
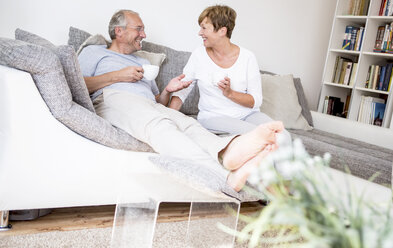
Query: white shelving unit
[{"x": 365, "y": 57}]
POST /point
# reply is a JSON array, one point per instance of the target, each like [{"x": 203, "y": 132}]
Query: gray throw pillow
[
  {"x": 47, "y": 73},
  {"x": 303, "y": 101},
  {"x": 70, "y": 65},
  {"x": 76, "y": 37}
]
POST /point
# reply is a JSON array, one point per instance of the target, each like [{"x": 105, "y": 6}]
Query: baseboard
[{"x": 352, "y": 129}]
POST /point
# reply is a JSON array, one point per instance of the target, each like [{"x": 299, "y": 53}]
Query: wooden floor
[{"x": 77, "y": 218}]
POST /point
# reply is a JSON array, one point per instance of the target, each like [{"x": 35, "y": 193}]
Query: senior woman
[{"x": 227, "y": 76}]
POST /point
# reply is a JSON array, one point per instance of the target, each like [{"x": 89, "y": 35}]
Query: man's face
[{"x": 134, "y": 32}]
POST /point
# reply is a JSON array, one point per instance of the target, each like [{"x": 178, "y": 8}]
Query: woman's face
[{"x": 207, "y": 33}]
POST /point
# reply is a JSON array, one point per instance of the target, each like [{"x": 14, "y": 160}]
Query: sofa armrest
[{"x": 353, "y": 129}]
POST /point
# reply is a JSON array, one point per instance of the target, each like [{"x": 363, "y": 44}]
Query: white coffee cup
[
  {"x": 218, "y": 76},
  {"x": 150, "y": 72}
]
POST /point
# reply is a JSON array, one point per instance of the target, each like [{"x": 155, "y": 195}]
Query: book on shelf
[
  {"x": 387, "y": 78},
  {"x": 390, "y": 82},
  {"x": 347, "y": 74},
  {"x": 359, "y": 39},
  {"x": 353, "y": 37},
  {"x": 346, "y": 105},
  {"x": 379, "y": 39},
  {"x": 333, "y": 106},
  {"x": 354, "y": 34},
  {"x": 343, "y": 71},
  {"x": 370, "y": 68},
  {"x": 347, "y": 38},
  {"x": 383, "y": 40},
  {"x": 353, "y": 74},
  {"x": 358, "y": 7},
  {"x": 375, "y": 78},
  {"x": 337, "y": 69},
  {"x": 386, "y": 8},
  {"x": 378, "y": 113},
  {"x": 379, "y": 77},
  {"x": 368, "y": 110}
]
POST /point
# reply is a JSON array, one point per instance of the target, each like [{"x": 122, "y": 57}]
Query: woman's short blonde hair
[{"x": 219, "y": 16}]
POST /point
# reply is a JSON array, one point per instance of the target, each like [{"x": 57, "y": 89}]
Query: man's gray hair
[{"x": 118, "y": 20}]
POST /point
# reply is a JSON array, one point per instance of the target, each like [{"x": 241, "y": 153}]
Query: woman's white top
[{"x": 244, "y": 75}]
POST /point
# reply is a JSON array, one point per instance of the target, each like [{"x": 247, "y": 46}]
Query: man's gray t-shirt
[{"x": 96, "y": 60}]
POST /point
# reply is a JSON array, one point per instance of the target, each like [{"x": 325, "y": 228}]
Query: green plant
[{"x": 306, "y": 210}]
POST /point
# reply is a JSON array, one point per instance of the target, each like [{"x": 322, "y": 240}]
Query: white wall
[{"x": 287, "y": 36}]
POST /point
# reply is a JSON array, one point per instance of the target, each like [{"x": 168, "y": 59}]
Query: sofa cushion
[
  {"x": 47, "y": 73},
  {"x": 303, "y": 101},
  {"x": 76, "y": 37},
  {"x": 301, "y": 96},
  {"x": 70, "y": 65},
  {"x": 362, "y": 159},
  {"x": 280, "y": 101}
]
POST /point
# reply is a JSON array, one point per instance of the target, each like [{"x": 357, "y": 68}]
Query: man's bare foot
[
  {"x": 247, "y": 146},
  {"x": 237, "y": 178}
]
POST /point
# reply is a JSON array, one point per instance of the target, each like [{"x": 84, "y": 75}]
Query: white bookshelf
[{"x": 365, "y": 57}]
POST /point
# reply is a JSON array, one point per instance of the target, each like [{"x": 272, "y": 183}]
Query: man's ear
[{"x": 119, "y": 31}]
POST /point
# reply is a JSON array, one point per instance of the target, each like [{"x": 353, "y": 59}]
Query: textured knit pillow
[
  {"x": 280, "y": 101},
  {"x": 76, "y": 37},
  {"x": 47, "y": 73},
  {"x": 70, "y": 65}
]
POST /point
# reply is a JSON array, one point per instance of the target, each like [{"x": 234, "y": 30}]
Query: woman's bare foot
[
  {"x": 237, "y": 178},
  {"x": 247, "y": 146}
]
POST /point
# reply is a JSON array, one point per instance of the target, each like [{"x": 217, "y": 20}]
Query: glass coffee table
[{"x": 135, "y": 222}]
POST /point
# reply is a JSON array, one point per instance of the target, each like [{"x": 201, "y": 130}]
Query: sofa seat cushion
[{"x": 362, "y": 159}]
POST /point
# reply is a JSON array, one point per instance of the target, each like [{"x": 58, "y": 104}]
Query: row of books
[
  {"x": 386, "y": 8},
  {"x": 353, "y": 38},
  {"x": 372, "y": 110},
  {"x": 379, "y": 77},
  {"x": 358, "y": 7},
  {"x": 344, "y": 71},
  {"x": 334, "y": 106},
  {"x": 383, "y": 41}
]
